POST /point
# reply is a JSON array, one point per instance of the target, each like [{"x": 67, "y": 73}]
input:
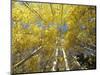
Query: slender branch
[
  {"x": 62, "y": 14},
  {"x": 75, "y": 59},
  {"x": 52, "y": 12},
  {"x": 88, "y": 48},
  {"x": 28, "y": 57},
  {"x": 32, "y": 10}
]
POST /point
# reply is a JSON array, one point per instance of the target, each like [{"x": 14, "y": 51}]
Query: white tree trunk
[
  {"x": 65, "y": 59},
  {"x": 55, "y": 62}
]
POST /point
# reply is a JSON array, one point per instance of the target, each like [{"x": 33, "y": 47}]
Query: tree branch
[
  {"x": 28, "y": 57},
  {"x": 32, "y": 10}
]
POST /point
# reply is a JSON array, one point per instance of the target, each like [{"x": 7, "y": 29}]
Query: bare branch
[
  {"x": 22, "y": 61},
  {"x": 62, "y": 14},
  {"x": 33, "y": 11},
  {"x": 52, "y": 12}
]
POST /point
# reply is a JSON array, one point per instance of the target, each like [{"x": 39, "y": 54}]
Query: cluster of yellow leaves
[
  {"x": 76, "y": 21},
  {"x": 25, "y": 39},
  {"x": 20, "y": 13}
]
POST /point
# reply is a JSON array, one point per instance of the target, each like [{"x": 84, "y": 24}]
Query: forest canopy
[{"x": 53, "y": 37}]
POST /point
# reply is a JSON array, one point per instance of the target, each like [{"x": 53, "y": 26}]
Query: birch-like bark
[
  {"x": 55, "y": 62},
  {"x": 65, "y": 59}
]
